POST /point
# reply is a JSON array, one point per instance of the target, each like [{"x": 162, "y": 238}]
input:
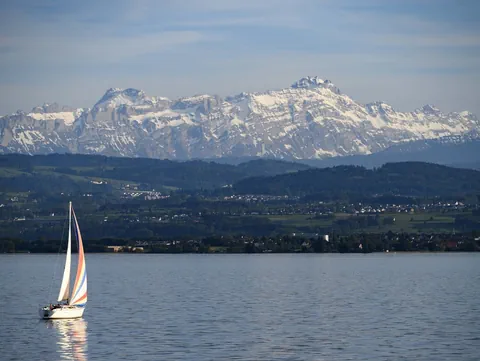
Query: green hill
[
  {"x": 413, "y": 179},
  {"x": 66, "y": 172}
]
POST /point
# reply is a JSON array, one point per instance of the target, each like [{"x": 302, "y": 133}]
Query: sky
[{"x": 407, "y": 53}]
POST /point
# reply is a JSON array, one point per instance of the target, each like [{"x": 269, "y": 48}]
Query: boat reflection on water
[{"x": 72, "y": 338}]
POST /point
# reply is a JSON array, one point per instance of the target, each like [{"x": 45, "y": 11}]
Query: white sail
[{"x": 65, "y": 287}]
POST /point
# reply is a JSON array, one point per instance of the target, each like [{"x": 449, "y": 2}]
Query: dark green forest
[
  {"x": 413, "y": 179},
  {"x": 22, "y": 172}
]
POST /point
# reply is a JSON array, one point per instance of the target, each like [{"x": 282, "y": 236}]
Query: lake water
[{"x": 248, "y": 307}]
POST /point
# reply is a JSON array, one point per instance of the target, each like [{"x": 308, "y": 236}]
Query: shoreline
[{"x": 249, "y": 253}]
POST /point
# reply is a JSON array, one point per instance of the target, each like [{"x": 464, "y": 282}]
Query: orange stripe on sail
[
  {"x": 80, "y": 255},
  {"x": 81, "y": 298},
  {"x": 79, "y": 270}
]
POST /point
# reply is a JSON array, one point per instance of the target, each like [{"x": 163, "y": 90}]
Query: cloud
[
  {"x": 283, "y": 21},
  {"x": 442, "y": 40},
  {"x": 66, "y": 50},
  {"x": 61, "y": 50},
  {"x": 209, "y": 6}
]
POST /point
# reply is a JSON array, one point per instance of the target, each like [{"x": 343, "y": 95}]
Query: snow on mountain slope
[
  {"x": 55, "y": 112},
  {"x": 311, "y": 119},
  {"x": 115, "y": 97}
]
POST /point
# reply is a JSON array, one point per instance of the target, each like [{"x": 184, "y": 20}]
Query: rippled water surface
[{"x": 248, "y": 307}]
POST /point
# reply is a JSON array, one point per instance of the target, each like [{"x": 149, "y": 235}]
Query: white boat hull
[{"x": 61, "y": 312}]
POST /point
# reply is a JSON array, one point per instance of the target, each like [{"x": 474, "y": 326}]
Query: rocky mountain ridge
[{"x": 312, "y": 119}]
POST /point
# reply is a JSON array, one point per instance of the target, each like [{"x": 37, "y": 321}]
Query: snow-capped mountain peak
[
  {"x": 379, "y": 107},
  {"x": 117, "y": 96},
  {"x": 309, "y": 82},
  {"x": 310, "y": 119},
  {"x": 53, "y": 112},
  {"x": 51, "y": 108},
  {"x": 430, "y": 109},
  {"x": 466, "y": 113}
]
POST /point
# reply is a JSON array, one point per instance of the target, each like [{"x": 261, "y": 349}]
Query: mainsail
[
  {"x": 65, "y": 287},
  {"x": 79, "y": 292}
]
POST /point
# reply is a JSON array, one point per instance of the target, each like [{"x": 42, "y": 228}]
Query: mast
[{"x": 64, "y": 288}]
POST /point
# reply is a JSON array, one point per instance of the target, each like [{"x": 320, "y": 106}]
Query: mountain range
[{"x": 310, "y": 120}]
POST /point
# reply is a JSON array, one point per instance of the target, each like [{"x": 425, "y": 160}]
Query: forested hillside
[
  {"x": 413, "y": 179},
  {"x": 44, "y": 173}
]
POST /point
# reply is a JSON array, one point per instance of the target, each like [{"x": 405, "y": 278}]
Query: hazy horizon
[{"x": 406, "y": 53}]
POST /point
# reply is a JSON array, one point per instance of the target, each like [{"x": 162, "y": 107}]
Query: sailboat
[{"x": 70, "y": 304}]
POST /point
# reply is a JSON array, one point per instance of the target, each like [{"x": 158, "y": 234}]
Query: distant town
[
  {"x": 272, "y": 205},
  {"x": 258, "y": 206}
]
